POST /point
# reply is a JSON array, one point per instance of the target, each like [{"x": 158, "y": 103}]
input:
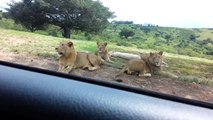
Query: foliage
[
  {"x": 126, "y": 33},
  {"x": 9, "y": 24},
  {"x": 29, "y": 13},
  {"x": 121, "y": 22},
  {"x": 84, "y": 15},
  {"x": 145, "y": 29},
  {"x": 172, "y": 40},
  {"x": 193, "y": 37},
  {"x": 168, "y": 37}
]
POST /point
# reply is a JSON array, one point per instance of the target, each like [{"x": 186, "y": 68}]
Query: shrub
[
  {"x": 88, "y": 36},
  {"x": 193, "y": 37},
  {"x": 53, "y": 33},
  {"x": 10, "y": 24},
  {"x": 123, "y": 43}
]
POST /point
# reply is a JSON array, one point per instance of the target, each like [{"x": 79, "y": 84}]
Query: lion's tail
[
  {"x": 168, "y": 74},
  {"x": 121, "y": 72}
]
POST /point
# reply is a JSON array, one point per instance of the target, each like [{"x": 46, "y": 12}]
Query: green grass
[
  {"x": 186, "y": 67},
  {"x": 191, "y": 79},
  {"x": 155, "y": 38},
  {"x": 44, "y": 46},
  {"x": 25, "y": 42},
  {"x": 205, "y": 34}
]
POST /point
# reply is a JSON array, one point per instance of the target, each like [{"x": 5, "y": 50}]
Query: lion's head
[
  {"x": 65, "y": 48},
  {"x": 101, "y": 47},
  {"x": 156, "y": 58}
]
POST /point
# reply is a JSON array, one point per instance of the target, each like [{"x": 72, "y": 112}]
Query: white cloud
[{"x": 3, "y": 3}]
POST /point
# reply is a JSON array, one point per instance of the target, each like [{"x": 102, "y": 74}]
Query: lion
[
  {"x": 102, "y": 51},
  {"x": 70, "y": 59},
  {"x": 145, "y": 67}
]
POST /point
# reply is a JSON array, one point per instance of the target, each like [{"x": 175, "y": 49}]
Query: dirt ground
[{"x": 155, "y": 83}]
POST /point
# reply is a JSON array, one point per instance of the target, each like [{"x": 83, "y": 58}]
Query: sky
[{"x": 170, "y": 13}]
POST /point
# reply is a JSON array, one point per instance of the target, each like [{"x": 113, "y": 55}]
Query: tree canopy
[
  {"x": 29, "y": 13},
  {"x": 84, "y": 15},
  {"x": 126, "y": 33}
]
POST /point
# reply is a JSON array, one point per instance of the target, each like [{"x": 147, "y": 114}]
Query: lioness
[
  {"x": 144, "y": 66},
  {"x": 102, "y": 51},
  {"x": 70, "y": 59}
]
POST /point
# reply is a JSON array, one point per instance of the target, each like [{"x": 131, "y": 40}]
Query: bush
[
  {"x": 78, "y": 37},
  {"x": 10, "y": 24},
  {"x": 53, "y": 30},
  {"x": 193, "y": 37},
  {"x": 88, "y": 36},
  {"x": 168, "y": 37},
  {"x": 53, "y": 33},
  {"x": 157, "y": 34},
  {"x": 145, "y": 29},
  {"x": 123, "y": 43}
]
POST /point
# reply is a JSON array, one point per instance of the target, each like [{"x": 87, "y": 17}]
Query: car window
[{"x": 164, "y": 46}]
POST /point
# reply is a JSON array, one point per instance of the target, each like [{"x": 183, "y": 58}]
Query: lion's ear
[
  {"x": 142, "y": 56},
  {"x": 105, "y": 43},
  {"x": 160, "y": 53},
  {"x": 70, "y": 44},
  {"x": 97, "y": 42}
]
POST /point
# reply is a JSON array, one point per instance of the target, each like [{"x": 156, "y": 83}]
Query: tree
[
  {"x": 168, "y": 39},
  {"x": 122, "y": 22},
  {"x": 182, "y": 44},
  {"x": 28, "y": 13},
  {"x": 193, "y": 37},
  {"x": 85, "y": 15},
  {"x": 115, "y": 24},
  {"x": 145, "y": 29},
  {"x": 126, "y": 33}
]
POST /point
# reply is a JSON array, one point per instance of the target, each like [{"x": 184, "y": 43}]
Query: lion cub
[
  {"x": 102, "y": 51},
  {"x": 70, "y": 59},
  {"x": 144, "y": 66}
]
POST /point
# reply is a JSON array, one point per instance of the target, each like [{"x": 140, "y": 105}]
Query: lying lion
[
  {"x": 70, "y": 59},
  {"x": 102, "y": 51},
  {"x": 144, "y": 66}
]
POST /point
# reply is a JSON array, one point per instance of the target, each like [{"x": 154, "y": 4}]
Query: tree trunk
[
  {"x": 66, "y": 32},
  {"x": 127, "y": 56},
  {"x": 32, "y": 29}
]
